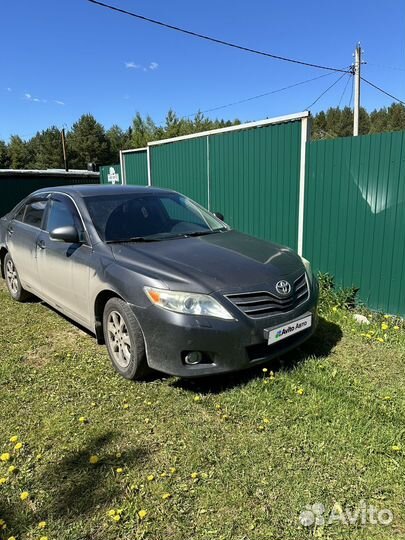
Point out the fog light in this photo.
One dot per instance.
(193, 357)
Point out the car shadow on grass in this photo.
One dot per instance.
(79, 487)
(320, 345)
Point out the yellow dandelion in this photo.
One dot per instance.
(380, 340)
(43, 538)
(18, 446)
(93, 403)
(3, 480)
(265, 370)
(11, 538)
(111, 512)
(12, 469)
(126, 406)
(387, 398)
(82, 419)
(142, 514)
(265, 381)
(42, 525)
(24, 495)
(14, 439)
(197, 398)
(369, 336)
(163, 474)
(300, 391)
(120, 510)
(266, 420)
(172, 470)
(334, 309)
(396, 448)
(119, 470)
(396, 327)
(94, 459)
(166, 496)
(384, 326)
(217, 406)
(5, 457)
(260, 428)
(194, 475)
(150, 477)
(116, 518)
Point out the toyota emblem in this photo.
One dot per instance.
(283, 287)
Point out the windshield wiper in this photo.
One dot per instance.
(133, 239)
(202, 233)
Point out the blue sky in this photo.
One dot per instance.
(64, 58)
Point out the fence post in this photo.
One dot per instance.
(122, 164)
(305, 136)
(208, 175)
(149, 165)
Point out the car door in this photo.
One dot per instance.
(22, 236)
(64, 268)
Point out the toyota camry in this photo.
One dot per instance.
(164, 283)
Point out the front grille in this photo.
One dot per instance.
(264, 303)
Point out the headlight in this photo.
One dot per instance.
(308, 269)
(189, 303)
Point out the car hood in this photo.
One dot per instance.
(228, 260)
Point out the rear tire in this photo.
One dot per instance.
(13, 281)
(124, 340)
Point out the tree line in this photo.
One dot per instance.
(89, 142)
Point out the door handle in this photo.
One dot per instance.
(41, 244)
(10, 231)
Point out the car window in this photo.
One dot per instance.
(180, 211)
(20, 214)
(34, 212)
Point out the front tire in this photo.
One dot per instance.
(13, 281)
(124, 340)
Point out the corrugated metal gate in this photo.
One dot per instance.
(355, 215)
(252, 173)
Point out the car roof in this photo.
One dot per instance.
(87, 190)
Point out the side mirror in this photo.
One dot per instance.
(66, 234)
(219, 216)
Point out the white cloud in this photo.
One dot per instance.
(153, 65)
(132, 65)
(28, 96)
(36, 99)
(58, 102)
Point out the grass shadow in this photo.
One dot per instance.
(320, 345)
(83, 486)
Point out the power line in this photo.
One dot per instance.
(327, 90)
(259, 95)
(345, 88)
(212, 39)
(383, 91)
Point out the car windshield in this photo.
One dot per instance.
(126, 217)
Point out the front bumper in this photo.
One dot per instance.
(227, 345)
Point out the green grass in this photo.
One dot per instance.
(321, 430)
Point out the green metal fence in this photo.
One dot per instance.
(17, 184)
(255, 178)
(355, 215)
(135, 167)
(182, 166)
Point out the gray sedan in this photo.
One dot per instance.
(164, 283)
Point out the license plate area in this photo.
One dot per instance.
(278, 333)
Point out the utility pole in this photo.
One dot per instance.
(356, 72)
(64, 149)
